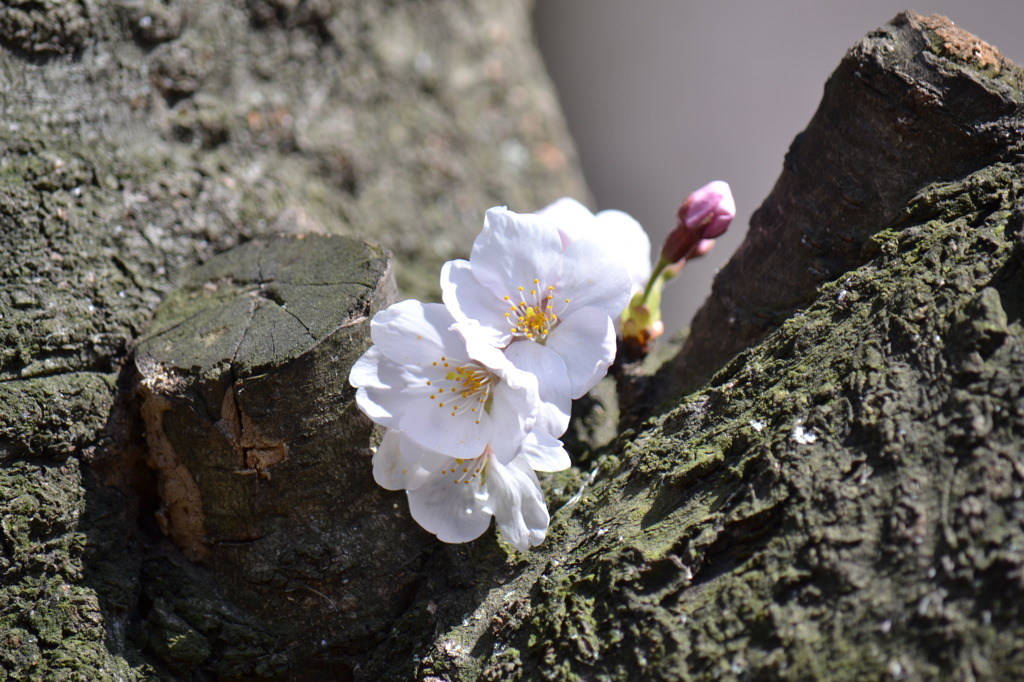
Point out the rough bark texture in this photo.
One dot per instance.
(139, 138)
(843, 500)
(252, 431)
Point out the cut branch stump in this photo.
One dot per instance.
(261, 456)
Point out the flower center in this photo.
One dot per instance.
(533, 316)
(466, 471)
(465, 389)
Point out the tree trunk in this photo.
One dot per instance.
(844, 500)
(140, 138)
(916, 102)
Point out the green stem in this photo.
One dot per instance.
(658, 269)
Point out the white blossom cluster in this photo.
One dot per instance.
(475, 392)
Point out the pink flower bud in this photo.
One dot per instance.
(703, 248)
(704, 215)
(710, 209)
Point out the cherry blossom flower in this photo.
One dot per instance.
(474, 393)
(550, 309)
(447, 391)
(455, 498)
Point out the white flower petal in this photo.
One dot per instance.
(435, 394)
(431, 460)
(443, 418)
(365, 371)
(617, 233)
(412, 333)
(591, 277)
(380, 383)
(553, 383)
(622, 236)
(535, 508)
(512, 415)
(573, 219)
(396, 467)
(373, 370)
(479, 348)
(431, 425)
(452, 511)
(470, 302)
(585, 340)
(381, 406)
(544, 453)
(514, 249)
(515, 498)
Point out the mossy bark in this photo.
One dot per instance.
(843, 500)
(140, 138)
(916, 102)
(262, 458)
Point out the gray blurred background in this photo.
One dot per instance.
(662, 97)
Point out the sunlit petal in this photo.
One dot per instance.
(514, 249)
(471, 302)
(515, 498)
(544, 453)
(450, 510)
(554, 386)
(410, 332)
(585, 341)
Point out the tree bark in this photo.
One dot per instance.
(917, 102)
(141, 138)
(844, 500)
(262, 459)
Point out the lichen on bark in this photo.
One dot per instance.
(843, 499)
(141, 138)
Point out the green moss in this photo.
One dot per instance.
(836, 505)
(54, 416)
(881, 539)
(174, 138)
(51, 615)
